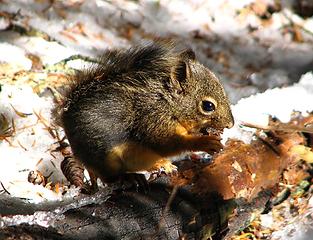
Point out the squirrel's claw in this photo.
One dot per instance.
(163, 166)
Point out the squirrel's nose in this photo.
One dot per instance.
(230, 124)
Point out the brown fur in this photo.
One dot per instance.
(139, 106)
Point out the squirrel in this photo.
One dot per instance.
(139, 106)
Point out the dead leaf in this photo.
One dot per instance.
(302, 152)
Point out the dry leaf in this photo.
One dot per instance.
(302, 152)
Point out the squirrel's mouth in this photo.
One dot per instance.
(211, 132)
(194, 128)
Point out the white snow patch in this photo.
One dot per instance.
(278, 102)
(298, 229)
(79, 64)
(48, 218)
(49, 52)
(15, 55)
(31, 146)
(266, 220)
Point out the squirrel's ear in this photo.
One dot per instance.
(179, 74)
(188, 54)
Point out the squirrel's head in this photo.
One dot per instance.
(198, 98)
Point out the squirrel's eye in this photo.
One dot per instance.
(207, 106)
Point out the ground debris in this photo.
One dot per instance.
(273, 161)
(72, 169)
(6, 129)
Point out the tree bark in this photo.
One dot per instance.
(134, 215)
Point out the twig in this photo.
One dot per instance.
(170, 200)
(44, 122)
(292, 23)
(20, 114)
(268, 144)
(280, 127)
(77, 57)
(282, 196)
(20, 144)
(56, 95)
(167, 207)
(4, 189)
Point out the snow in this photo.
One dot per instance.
(31, 145)
(298, 228)
(210, 27)
(48, 218)
(41, 218)
(277, 102)
(13, 54)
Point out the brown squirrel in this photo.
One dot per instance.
(138, 106)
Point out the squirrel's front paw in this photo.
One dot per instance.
(163, 166)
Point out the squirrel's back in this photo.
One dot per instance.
(141, 65)
(149, 61)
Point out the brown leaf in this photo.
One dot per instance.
(297, 35)
(259, 7)
(302, 152)
(36, 61)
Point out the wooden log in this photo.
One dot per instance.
(133, 215)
